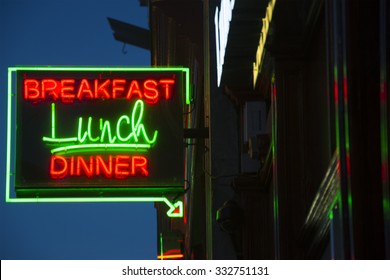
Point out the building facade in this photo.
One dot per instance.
(288, 130)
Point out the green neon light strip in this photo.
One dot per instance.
(53, 120)
(161, 247)
(53, 138)
(98, 68)
(9, 123)
(170, 213)
(114, 69)
(100, 147)
(187, 75)
(59, 140)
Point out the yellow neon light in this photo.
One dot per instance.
(176, 256)
(263, 37)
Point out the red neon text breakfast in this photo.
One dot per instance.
(68, 90)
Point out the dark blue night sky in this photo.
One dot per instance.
(70, 32)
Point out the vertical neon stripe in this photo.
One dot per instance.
(161, 247)
(9, 122)
(53, 120)
(187, 81)
(384, 122)
(275, 166)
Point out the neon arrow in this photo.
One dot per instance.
(172, 212)
(172, 207)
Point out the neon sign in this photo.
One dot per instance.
(67, 90)
(96, 132)
(136, 137)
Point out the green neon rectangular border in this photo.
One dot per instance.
(12, 70)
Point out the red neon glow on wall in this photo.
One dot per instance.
(119, 166)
